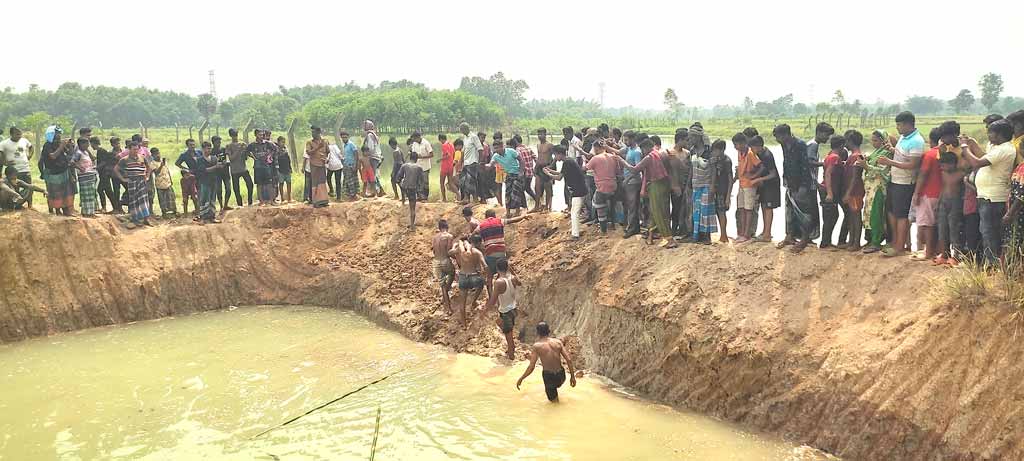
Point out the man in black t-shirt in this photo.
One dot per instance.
(223, 185)
(576, 183)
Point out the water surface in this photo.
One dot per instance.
(204, 385)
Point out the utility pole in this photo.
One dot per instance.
(600, 87)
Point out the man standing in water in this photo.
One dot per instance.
(506, 286)
(471, 264)
(550, 351)
(444, 270)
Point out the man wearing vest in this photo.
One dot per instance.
(506, 286)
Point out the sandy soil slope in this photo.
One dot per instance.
(842, 352)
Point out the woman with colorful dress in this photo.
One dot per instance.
(875, 179)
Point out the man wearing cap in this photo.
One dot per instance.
(424, 153)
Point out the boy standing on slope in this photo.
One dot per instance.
(550, 351)
(411, 177)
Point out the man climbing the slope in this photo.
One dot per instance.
(550, 351)
(444, 270)
(470, 262)
(503, 295)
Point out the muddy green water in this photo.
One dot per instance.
(200, 387)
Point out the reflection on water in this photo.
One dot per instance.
(202, 386)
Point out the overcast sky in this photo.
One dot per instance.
(713, 52)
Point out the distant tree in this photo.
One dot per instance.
(839, 101)
(783, 105)
(963, 102)
(1010, 104)
(924, 105)
(823, 107)
(207, 105)
(991, 88)
(748, 104)
(672, 104)
(509, 94)
(801, 109)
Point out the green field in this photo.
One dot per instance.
(171, 144)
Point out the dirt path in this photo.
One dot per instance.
(840, 352)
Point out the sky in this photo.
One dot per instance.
(710, 52)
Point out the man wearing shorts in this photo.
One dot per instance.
(900, 191)
(444, 269)
(470, 263)
(926, 198)
(506, 286)
(550, 351)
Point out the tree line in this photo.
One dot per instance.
(495, 101)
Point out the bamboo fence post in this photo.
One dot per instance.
(202, 131)
(291, 143)
(245, 131)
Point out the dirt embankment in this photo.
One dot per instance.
(841, 352)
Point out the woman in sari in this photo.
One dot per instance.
(875, 179)
(1014, 222)
(60, 185)
(133, 171)
(88, 178)
(656, 188)
(317, 149)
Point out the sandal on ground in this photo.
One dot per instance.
(891, 253)
(918, 257)
(871, 249)
(798, 248)
(784, 244)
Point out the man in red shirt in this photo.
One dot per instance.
(605, 167)
(926, 199)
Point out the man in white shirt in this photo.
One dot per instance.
(424, 154)
(471, 149)
(993, 183)
(16, 152)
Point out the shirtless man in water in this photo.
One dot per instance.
(444, 270)
(550, 351)
(470, 261)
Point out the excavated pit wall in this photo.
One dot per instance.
(777, 343)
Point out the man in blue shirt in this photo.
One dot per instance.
(350, 170)
(631, 183)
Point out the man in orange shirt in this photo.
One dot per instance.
(748, 168)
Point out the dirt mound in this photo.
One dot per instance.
(840, 352)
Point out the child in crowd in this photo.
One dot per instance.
(853, 197)
(721, 171)
(833, 185)
(366, 170)
(163, 184)
(447, 166)
(397, 160)
(951, 208)
(14, 192)
(748, 168)
(411, 177)
(284, 170)
(457, 162)
(769, 191)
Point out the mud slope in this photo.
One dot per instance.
(840, 352)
